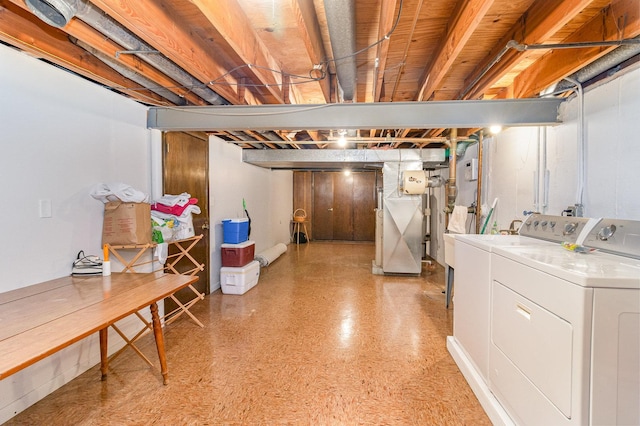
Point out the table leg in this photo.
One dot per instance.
(157, 332)
(104, 359)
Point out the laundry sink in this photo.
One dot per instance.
(449, 249)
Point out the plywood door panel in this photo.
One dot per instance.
(186, 169)
(322, 206)
(342, 206)
(364, 204)
(302, 197)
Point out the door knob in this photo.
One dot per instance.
(331, 209)
(205, 226)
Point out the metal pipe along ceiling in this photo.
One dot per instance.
(59, 12)
(132, 75)
(341, 20)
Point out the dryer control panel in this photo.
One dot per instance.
(617, 236)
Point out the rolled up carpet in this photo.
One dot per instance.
(265, 258)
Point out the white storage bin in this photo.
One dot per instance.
(239, 280)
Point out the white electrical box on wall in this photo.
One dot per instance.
(471, 169)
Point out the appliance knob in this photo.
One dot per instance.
(569, 228)
(535, 223)
(552, 224)
(607, 232)
(543, 224)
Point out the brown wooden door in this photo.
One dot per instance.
(186, 169)
(322, 206)
(364, 205)
(343, 206)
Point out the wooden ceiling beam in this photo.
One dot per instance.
(387, 18)
(620, 19)
(20, 28)
(230, 21)
(538, 24)
(464, 22)
(156, 26)
(312, 36)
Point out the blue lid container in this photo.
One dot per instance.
(235, 231)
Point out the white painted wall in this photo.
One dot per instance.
(60, 136)
(56, 146)
(612, 126)
(268, 195)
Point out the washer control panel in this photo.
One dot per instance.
(617, 236)
(553, 228)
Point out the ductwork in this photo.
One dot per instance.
(341, 20)
(273, 137)
(132, 75)
(56, 13)
(250, 141)
(605, 63)
(59, 12)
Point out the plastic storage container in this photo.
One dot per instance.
(239, 280)
(235, 231)
(238, 254)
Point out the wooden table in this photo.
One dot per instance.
(39, 320)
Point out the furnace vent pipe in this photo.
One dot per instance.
(603, 64)
(341, 20)
(58, 13)
(452, 191)
(132, 75)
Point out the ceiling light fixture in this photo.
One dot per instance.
(342, 140)
(495, 129)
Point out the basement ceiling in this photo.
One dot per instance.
(176, 53)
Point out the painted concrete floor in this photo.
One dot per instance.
(319, 341)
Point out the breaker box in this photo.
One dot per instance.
(471, 169)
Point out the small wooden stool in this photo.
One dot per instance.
(299, 223)
(297, 227)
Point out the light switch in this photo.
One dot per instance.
(45, 207)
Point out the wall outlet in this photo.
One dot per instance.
(44, 207)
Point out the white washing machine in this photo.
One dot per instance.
(472, 292)
(469, 345)
(564, 345)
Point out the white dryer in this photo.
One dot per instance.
(564, 344)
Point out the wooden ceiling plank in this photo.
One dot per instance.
(20, 28)
(227, 17)
(464, 22)
(387, 18)
(560, 63)
(151, 23)
(543, 20)
(312, 36)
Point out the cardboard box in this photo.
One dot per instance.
(126, 223)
